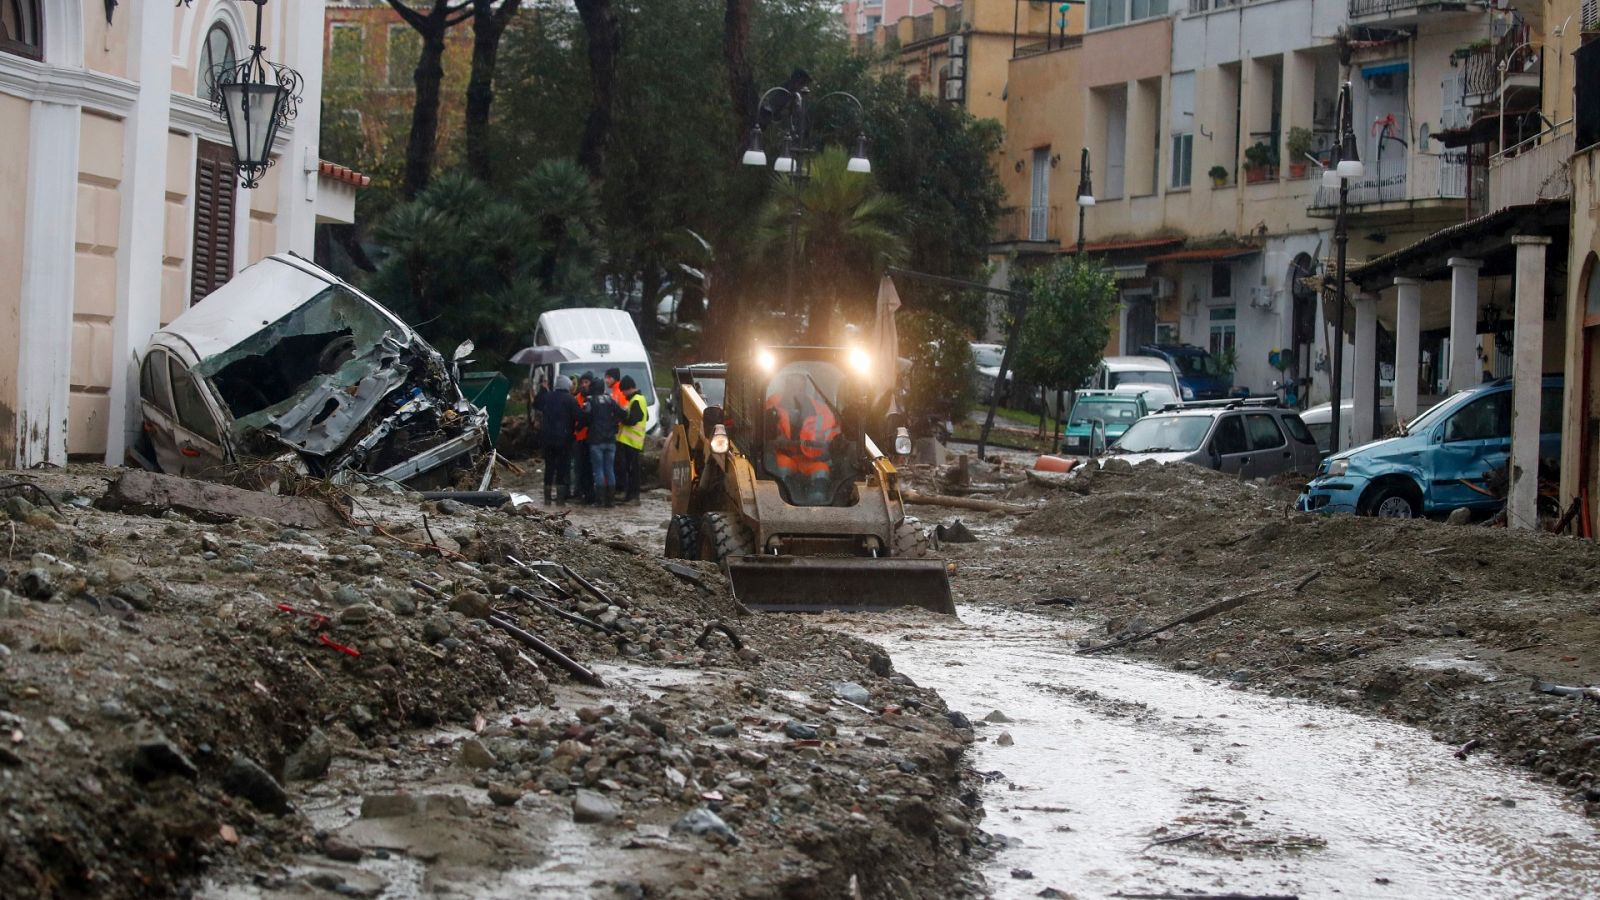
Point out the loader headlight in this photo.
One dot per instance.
(719, 439)
(766, 360)
(860, 361)
(902, 441)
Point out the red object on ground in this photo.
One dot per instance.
(1048, 463)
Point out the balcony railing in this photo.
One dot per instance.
(1536, 169)
(1200, 6)
(1028, 223)
(1366, 9)
(1423, 177)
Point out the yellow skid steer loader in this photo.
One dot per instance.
(776, 476)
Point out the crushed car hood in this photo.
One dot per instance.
(301, 360)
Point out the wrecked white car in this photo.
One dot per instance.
(288, 359)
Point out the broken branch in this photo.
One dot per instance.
(557, 611)
(1204, 612)
(918, 497)
(573, 667)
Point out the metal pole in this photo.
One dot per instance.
(1341, 240)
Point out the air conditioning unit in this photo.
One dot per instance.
(957, 46)
(955, 89)
(1161, 288)
(1261, 297)
(958, 67)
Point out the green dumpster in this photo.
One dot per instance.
(488, 390)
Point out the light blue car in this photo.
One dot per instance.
(1440, 461)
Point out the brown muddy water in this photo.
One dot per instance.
(1249, 794)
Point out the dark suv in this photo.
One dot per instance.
(1200, 377)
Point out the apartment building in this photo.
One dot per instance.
(864, 16)
(123, 206)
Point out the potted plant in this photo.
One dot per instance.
(1589, 30)
(1219, 176)
(1299, 146)
(1261, 162)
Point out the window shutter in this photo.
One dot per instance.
(211, 264)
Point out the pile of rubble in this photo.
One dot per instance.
(188, 696)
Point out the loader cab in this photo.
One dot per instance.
(799, 414)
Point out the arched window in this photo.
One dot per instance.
(216, 54)
(21, 29)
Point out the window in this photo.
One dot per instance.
(1222, 330)
(1230, 436)
(1221, 281)
(216, 55)
(344, 47)
(1299, 431)
(1105, 13)
(153, 387)
(193, 414)
(1039, 197)
(20, 28)
(1264, 431)
(405, 50)
(1147, 9)
(1484, 418)
(1551, 411)
(1182, 159)
(1180, 122)
(211, 263)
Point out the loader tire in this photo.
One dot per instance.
(683, 538)
(723, 536)
(911, 540)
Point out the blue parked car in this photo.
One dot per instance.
(1441, 461)
(1200, 376)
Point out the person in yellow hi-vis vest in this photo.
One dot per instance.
(630, 440)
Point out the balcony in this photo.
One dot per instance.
(1536, 169)
(1403, 12)
(1029, 225)
(1425, 180)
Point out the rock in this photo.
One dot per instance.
(120, 571)
(954, 825)
(388, 806)
(1117, 465)
(333, 848)
(10, 605)
(436, 629)
(18, 508)
(751, 758)
(1459, 516)
(359, 614)
(453, 507)
(471, 604)
(590, 807)
(247, 780)
(138, 595)
(799, 731)
(958, 719)
(854, 693)
(997, 717)
(311, 760)
(36, 583)
(1004, 740)
(501, 794)
(402, 604)
(724, 729)
(347, 595)
(153, 756)
(705, 823)
(1021, 874)
(880, 665)
(474, 755)
(796, 791)
(554, 782)
(655, 725)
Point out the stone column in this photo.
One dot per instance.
(1407, 346)
(1365, 392)
(1464, 369)
(1527, 371)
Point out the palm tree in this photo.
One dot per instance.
(845, 232)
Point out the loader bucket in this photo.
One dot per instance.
(818, 583)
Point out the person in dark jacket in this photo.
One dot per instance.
(601, 416)
(583, 476)
(560, 414)
(630, 440)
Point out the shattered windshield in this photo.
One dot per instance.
(1164, 434)
(279, 362)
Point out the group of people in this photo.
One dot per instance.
(592, 438)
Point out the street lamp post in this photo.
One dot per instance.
(1347, 165)
(1085, 194)
(254, 98)
(795, 150)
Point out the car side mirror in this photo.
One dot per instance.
(710, 419)
(463, 350)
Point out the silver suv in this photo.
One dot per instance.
(1257, 438)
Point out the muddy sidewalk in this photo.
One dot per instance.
(244, 709)
(1442, 626)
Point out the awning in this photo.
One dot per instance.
(1125, 246)
(1387, 68)
(1206, 254)
(1487, 237)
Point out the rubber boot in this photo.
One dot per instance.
(547, 494)
(561, 495)
(605, 494)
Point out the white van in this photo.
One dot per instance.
(599, 339)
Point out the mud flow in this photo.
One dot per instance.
(1104, 775)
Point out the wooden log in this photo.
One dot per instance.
(575, 668)
(140, 491)
(962, 502)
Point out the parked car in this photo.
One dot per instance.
(597, 340)
(1254, 437)
(1441, 460)
(1200, 376)
(986, 369)
(1098, 418)
(288, 359)
(1319, 419)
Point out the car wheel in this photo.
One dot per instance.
(1393, 502)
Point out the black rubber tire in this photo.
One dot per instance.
(911, 540)
(683, 538)
(1394, 502)
(722, 536)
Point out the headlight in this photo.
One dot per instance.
(719, 440)
(1188, 392)
(766, 360)
(902, 441)
(1338, 467)
(860, 361)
